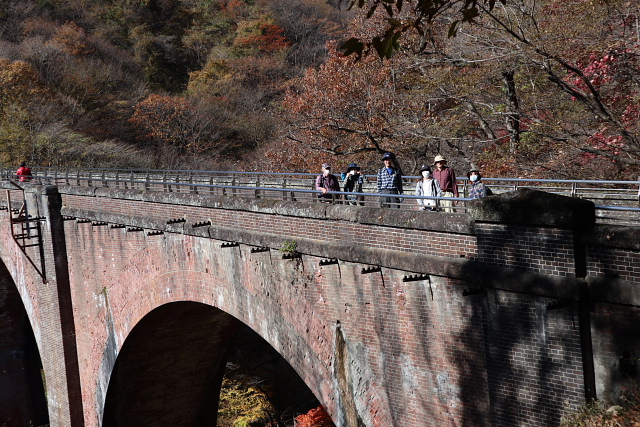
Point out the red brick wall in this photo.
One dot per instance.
(431, 352)
(543, 250)
(624, 264)
(417, 350)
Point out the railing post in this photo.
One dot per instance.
(146, 184)
(257, 192)
(211, 184)
(194, 188)
(284, 185)
(117, 179)
(167, 184)
(104, 179)
(574, 188)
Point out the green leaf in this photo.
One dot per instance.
(395, 44)
(453, 30)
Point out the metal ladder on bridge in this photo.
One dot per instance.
(27, 233)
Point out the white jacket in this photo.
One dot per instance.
(431, 189)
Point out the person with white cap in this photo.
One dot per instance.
(390, 181)
(326, 183)
(428, 187)
(447, 179)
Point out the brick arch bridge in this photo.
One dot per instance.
(506, 316)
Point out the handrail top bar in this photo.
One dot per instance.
(285, 190)
(618, 208)
(206, 172)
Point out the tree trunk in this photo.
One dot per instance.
(512, 113)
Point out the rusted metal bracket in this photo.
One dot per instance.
(27, 233)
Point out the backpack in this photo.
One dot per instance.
(487, 191)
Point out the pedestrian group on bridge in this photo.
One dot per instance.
(438, 186)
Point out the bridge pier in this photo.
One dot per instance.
(48, 301)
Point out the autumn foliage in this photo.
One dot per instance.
(529, 88)
(316, 417)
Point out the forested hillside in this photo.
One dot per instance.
(165, 84)
(548, 88)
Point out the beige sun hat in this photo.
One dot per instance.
(439, 158)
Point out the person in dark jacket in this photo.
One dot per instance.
(390, 181)
(326, 183)
(352, 183)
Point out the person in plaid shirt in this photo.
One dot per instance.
(390, 181)
(477, 189)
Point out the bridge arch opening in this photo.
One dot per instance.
(22, 394)
(172, 366)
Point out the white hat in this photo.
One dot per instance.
(439, 158)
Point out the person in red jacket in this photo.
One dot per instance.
(24, 172)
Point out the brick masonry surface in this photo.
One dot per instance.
(417, 350)
(421, 241)
(375, 348)
(544, 250)
(623, 264)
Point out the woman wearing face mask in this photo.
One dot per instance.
(428, 187)
(326, 183)
(477, 189)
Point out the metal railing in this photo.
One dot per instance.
(615, 200)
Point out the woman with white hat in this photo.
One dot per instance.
(447, 179)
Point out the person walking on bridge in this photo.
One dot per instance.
(390, 181)
(23, 172)
(447, 179)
